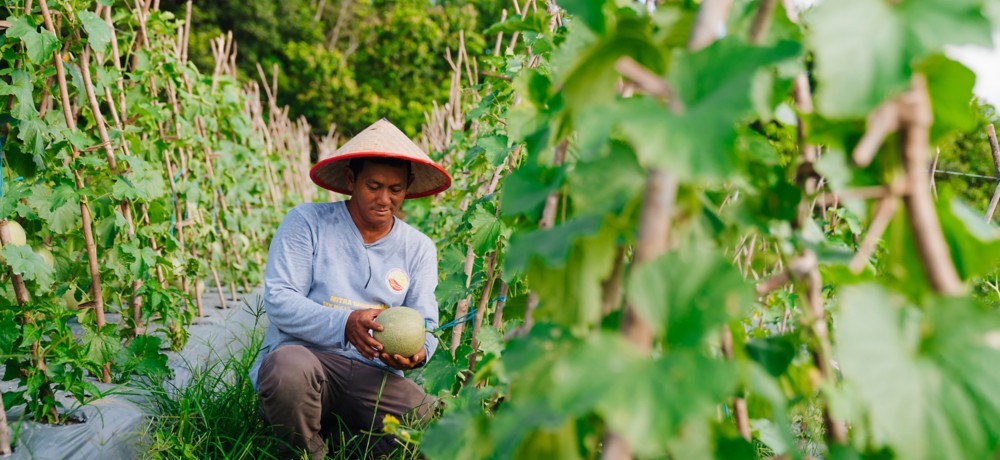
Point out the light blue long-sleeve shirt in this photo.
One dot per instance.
(319, 269)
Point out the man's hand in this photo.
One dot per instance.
(403, 363)
(356, 332)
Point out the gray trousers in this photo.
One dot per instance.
(310, 396)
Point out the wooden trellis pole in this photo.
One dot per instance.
(88, 231)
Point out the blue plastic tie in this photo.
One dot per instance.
(463, 319)
(468, 316)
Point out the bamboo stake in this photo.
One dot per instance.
(88, 232)
(484, 301)
(463, 306)
(501, 301)
(125, 206)
(762, 21)
(915, 122)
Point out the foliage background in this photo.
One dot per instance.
(360, 61)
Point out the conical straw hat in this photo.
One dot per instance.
(382, 139)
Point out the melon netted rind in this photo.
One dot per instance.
(402, 331)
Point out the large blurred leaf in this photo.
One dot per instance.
(714, 85)
(685, 294)
(524, 190)
(645, 400)
(461, 432)
(950, 86)
(584, 66)
(974, 244)
(551, 245)
(618, 176)
(865, 49)
(570, 294)
(773, 353)
(927, 377)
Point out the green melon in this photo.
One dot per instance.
(402, 331)
(17, 237)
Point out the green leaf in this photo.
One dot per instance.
(773, 353)
(98, 32)
(950, 86)
(101, 347)
(20, 87)
(618, 175)
(142, 356)
(59, 206)
(485, 230)
(974, 244)
(551, 245)
(490, 341)
(866, 50)
(525, 190)
(462, 420)
(629, 391)
(591, 12)
(570, 292)
(926, 376)
(714, 85)
(39, 45)
(31, 266)
(686, 294)
(9, 332)
(440, 373)
(495, 148)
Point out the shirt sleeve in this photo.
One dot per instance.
(287, 281)
(421, 293)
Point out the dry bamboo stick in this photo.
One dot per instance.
(501, 301)
(484, 301)
(915, 122)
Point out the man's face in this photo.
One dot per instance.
(377, 192)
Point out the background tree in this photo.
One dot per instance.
(347, 62)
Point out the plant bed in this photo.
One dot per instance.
(114, 425)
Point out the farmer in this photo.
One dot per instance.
(331, 269)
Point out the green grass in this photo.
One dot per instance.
(216, 416)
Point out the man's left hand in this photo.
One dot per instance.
(403, 363)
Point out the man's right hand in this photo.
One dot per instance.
(359, 322)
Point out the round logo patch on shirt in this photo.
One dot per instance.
(397, 280)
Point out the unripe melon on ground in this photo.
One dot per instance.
(402, 331)
(17, 237)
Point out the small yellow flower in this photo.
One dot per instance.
(390, 424)
(405, 435)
